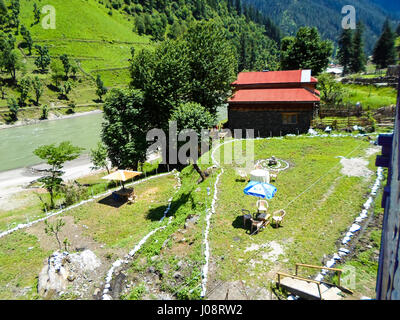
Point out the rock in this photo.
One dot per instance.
(177, 276)
(96, 292)
(155, 258)
(53, 277)
(62, 268)
(191, 220)
(71, 277)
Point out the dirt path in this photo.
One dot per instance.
(14, 181)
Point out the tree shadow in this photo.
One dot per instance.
(111, 202)
(156, 214)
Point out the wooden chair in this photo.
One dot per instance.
(259, 223)
(247, 217)
(277, 218)
(262, 205)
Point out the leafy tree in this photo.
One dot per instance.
(3, 7)
(398, 30)
(65, 89)
(66, 63)
(56, 156)
(38, 89)
(27, 38)
(54, 229)
(124, 128)
(358, 59)
(385, 51)
(45, 112)
(306, 51)
(44, 60)
(346, 50)
(57, 71)
(332, 91)
(98, 157)
(23, 87)
(193, 116)
(2, 89)
(74, 69)
(101, 89)
(13, 107)
(12, 62)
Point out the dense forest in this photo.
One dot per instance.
(254, 35)
(326, 15)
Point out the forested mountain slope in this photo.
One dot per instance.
(326, 15)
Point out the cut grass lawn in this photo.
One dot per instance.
(314, 222)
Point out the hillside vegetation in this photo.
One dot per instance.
(326, 16)
(97, 39)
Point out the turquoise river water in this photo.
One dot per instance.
(17, 144)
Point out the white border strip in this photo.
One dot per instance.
(27, 225)
(132, 253)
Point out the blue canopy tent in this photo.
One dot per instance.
(260, 190)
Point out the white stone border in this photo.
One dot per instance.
(132, 253)
(355, 227)
(27, 225)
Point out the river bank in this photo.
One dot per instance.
(52, 117)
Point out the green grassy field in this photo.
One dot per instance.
(371, 97)
(314, 221)
(117, 229)
(100, 43)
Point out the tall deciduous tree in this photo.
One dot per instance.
(56, 156)
(101, 89)
(125, 128)
(43, 60)
(306, 51)
(385, 51)
(66, 63)
(37, 86)
(193, 116)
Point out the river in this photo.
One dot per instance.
(18, 143)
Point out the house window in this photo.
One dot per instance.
(289, 118)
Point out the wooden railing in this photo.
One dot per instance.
(318, 283)
(339, 271)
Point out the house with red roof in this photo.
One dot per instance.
(274, 102)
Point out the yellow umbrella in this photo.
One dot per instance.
(122, 175)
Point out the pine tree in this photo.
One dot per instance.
(358, 59)
(385, 51)
(346, 50)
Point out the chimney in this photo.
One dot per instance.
(305, 76)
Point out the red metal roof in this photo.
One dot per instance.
(274, 95)
(269, 77)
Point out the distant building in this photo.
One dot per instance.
(274, 103)
(335, 71)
